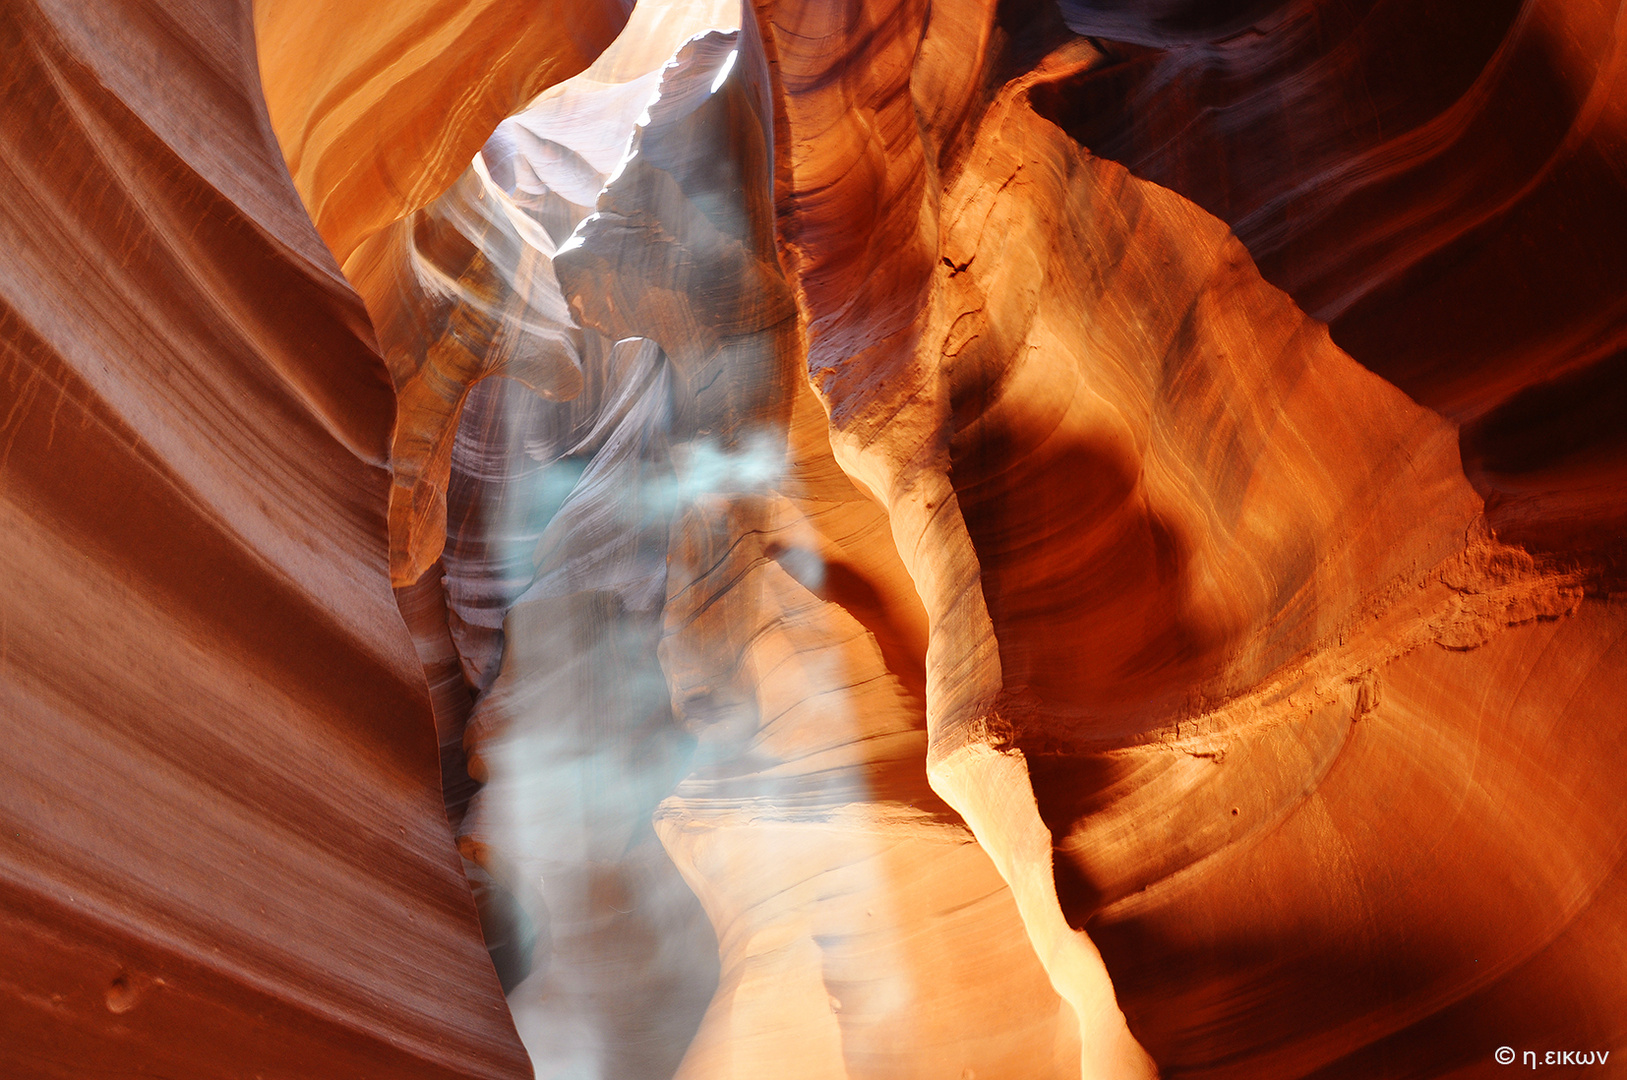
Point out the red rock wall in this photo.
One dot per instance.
(983, 539)
(224, 851)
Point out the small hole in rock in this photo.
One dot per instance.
(122, 994)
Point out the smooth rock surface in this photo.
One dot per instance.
(224, 850)
(934, 538)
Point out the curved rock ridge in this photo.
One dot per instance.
(546, 503)
(1146, 502)
(905, 577)
(1165, 577)
(853, 914)
(379, 106)
(568, 522)
(222, 849)
(460, 291)
(1441, 182)
(464, 288)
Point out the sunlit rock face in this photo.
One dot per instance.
(934, 538)
(703, 771)
(378, 106)
(1210, 590)
(1047, 500)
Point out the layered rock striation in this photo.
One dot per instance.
(1441, 183)
(224, 851)
(934, 538)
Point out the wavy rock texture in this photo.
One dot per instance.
(1155, 518)
(379, 106)
(908, 578)
(556, 536)
(223, 851)
(1195, 581)
(1440, 182)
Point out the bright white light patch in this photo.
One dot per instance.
(530, 232)
(723, 72)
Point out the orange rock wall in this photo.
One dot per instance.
(1440, 182)
(934, 537)
(379, 107)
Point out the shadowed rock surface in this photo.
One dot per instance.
(941, 538)
(1440, 182)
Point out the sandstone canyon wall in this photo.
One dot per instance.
(224, 852)
(934, 538)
